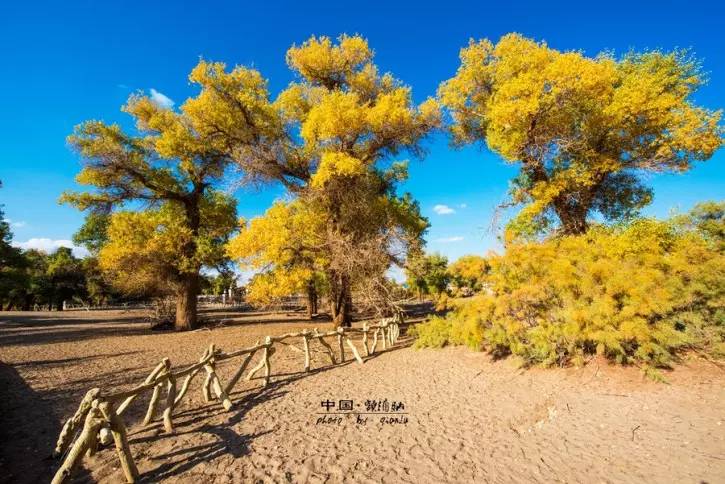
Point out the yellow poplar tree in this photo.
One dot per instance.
(582, 129)
(470, 271)
(168, 220)
(333, 142)
(281, 247)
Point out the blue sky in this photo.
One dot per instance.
(66, 62)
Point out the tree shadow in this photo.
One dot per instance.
(23, 319)
(242, 320)
(419, 309)
(29, 425)
(29, 330)
(228, 441)
(28, 428)
(73, 360)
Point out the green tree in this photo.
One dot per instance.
(12, 263)
(428, 274)
(93, 234)
(33, 288)
(66, 277)
(708, 218)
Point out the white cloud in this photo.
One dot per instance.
(50, 245)
(161, 99)
(463, 205)
(16, 225)
(443, 209)
(446, 240)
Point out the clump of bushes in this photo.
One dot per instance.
(639, 293)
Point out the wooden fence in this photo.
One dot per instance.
(99, 418)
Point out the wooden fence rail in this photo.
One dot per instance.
(99, 420)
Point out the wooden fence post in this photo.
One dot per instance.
(354, 350)
(71, 425)
(118, 429)
(306, 346)
(214, 382)
(153, 403)
(327, 346)
(239, 372)
(263, 362)
(340, 331)
(365, 339)
(267, 353)
(189, 377)
(206, 388)
(170, 403)
(253, 371)
(90, 429)
(375, 341)
(122, 408)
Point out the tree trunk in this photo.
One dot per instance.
(340, 300)
(347, 307)
(342, 316)
(311, 299)
(189, 281)
(572, 208)
(573, 219)
(186, 302)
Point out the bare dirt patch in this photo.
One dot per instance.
(468, 418)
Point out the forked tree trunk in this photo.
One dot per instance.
(342, 317)
(341, 301)
(186, 302)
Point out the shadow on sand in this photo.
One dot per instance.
(29, 426)
(227, 440)
(28, 429)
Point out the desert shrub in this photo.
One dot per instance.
(435, 333)
(637, 293)
(443, 302)
(463, 329)
(468, 274)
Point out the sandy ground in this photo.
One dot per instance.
(465, 418)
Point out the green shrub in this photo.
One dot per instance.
(435, 333)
